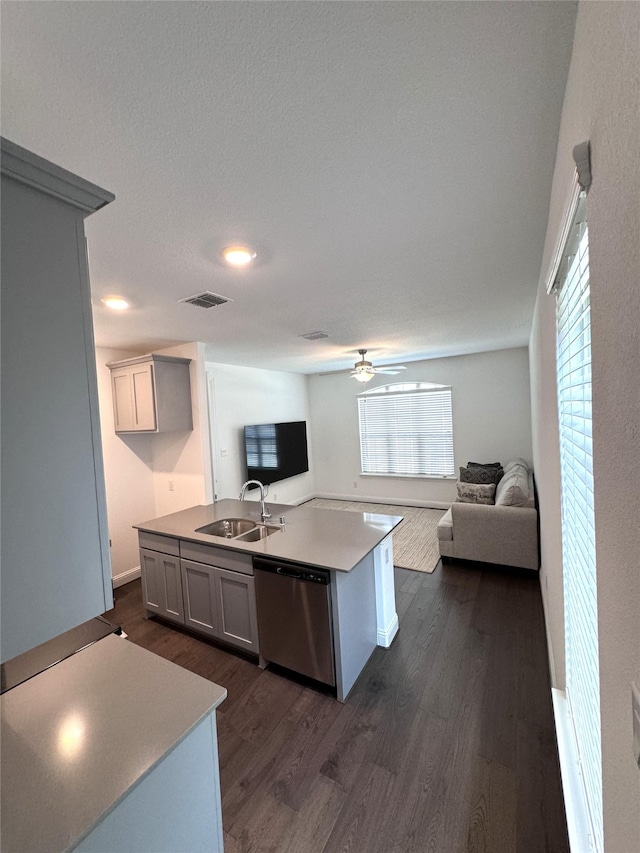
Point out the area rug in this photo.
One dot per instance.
(415, 542)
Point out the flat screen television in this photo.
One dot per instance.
(276, 451)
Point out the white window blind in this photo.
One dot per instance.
(578, 528)
(262, 446)
(406, 430)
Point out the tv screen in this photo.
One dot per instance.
(276, 451)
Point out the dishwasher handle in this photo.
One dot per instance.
(289, 573)
(299, 573)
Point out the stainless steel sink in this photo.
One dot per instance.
(258, 533)
(242, 529)
(228, 528)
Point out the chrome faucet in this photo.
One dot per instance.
(264, 512)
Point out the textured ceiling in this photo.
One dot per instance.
(391, 164)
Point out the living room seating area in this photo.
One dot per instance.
(495, 518)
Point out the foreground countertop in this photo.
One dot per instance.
(335, 539)
(79, 736)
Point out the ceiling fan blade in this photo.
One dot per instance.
(391, 371)
(366, 367)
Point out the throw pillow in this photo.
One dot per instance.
(476, 493)
(513, 489)
(480, 474)
(484, 465)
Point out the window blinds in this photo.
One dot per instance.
(578, 529)
(407, 432)
(261, 446)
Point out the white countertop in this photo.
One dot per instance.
(79, 736)
(334, 539)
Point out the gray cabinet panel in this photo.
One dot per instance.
(199, 598)
(56, 569)
(220, 557)
(162, 584)
(172, 386)
(174, 608)
(237, 620)
(122, 410)
(156, 542)
(150, 573)
(144, 411)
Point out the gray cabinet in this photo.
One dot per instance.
(236, 608)
(199, 593)
(208, 589)
(151, 393)
(162, 584)
(56, 570)
(221, 604)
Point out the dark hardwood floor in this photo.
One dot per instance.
(446, 743)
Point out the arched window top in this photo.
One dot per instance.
(401, 387)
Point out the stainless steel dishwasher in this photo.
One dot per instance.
(294, 618)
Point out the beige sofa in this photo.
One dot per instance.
(498, 533)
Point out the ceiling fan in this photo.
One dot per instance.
(364, 370)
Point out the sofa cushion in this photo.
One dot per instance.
(476, 493)
(481, 474)
(518, 462)
(445, 527)
(513, 489)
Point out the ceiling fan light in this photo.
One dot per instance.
(238, 256)
(364, 375)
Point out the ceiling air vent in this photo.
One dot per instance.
(206, 299)
(314, 336)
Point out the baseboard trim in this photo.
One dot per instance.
(126, 577)
(385, 638)
(300, 501)
(578, 823)
(390, 501)
(552, 662)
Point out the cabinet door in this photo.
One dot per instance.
(236, 618)
(122, 400)
(162, 585)
(199, 593)
(143, 397)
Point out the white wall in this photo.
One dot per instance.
(491, 422)
(248, 395)
(546, 462)
(128, 470)
(139, 469)
(181, 459)
(602, 104)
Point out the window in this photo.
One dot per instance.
(573, 355)
(406, 430)
(261, 446)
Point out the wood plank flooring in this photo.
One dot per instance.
(445, 745)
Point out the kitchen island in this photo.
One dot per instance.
(112, 748)
(206, 582)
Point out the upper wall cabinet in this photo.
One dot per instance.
(151, 393)
(56, 571)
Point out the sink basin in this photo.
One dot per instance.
(228, 528)
(257, 534)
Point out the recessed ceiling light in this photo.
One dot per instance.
(115, 302)
(238, 256)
